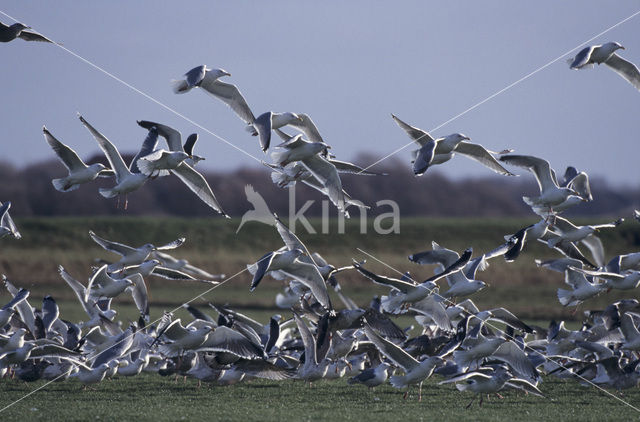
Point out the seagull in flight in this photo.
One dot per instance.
(606, 53)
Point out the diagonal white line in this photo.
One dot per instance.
(444, 299)
(511, 85)
(147, 96)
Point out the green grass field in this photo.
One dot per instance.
(212, 244)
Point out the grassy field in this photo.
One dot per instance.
(528, 291)
(151, 397)
(213, 245)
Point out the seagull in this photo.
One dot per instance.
(8, 309)
(174, 140)
(179, 162)
(7, 225)
(126, 181)
(372, 377)
(551, 193)
(311, 370)
(130, 255)
(437, 151)
(208, 79)
(481, 383)
(294, 261)
(583, 289)
(606, 53)
(415, 372)
(79, 172)
(17, 30)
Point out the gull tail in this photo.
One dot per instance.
(147, 168)
(251, 129)
(281, 179)
(462, 358)
(392, 304)
(180, 86)
(108, 193)
(564, 296)
(61, 185)
(398, 381)
(280, 157)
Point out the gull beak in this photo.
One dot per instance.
(467, 138)
(622, 48)
(227, 73)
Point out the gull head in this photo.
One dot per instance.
(20, 26)
(218, 73)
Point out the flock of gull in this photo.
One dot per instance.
(479, 351)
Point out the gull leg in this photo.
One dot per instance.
(126, 201)
(406, 394)
(481, 399)
(471, 402)
(420, 392)
(118, 202)
(499, 396)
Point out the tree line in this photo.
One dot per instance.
(30, 191)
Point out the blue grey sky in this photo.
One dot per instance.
(348, 64)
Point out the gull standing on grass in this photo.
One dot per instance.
(79, 172)
(126, 181)
(415, 372)
(606, 53)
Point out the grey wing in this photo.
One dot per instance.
(17, 298)
(580, 184)
(230, 95)
(24, 309)
(7, 221)
(350, 168)
(308, 128)
(430, 307)
(115, 247)
(466, 376)
(418, 135)
(524, 385)
(263, 126)
(400, 285)
(539, 167)
(390, 350)
(624, 68)
(261, 269)
(424, 157)
(122, 344)
(68, 156)
(140, 295)
(198, 185)
(307, 339)
(309, 275)
(510, 353)
(582, 58)
(195, 75)
(148, 145)
(172, 136)
(32, 36)
(438, 255)
(77, 288)
(480, 154)
(264, 369)
(288, 237)
(190, 143)
(502, 314)
(110, 151)
(595, 246)
(327, 173)
(172, 245)
(171, 274)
